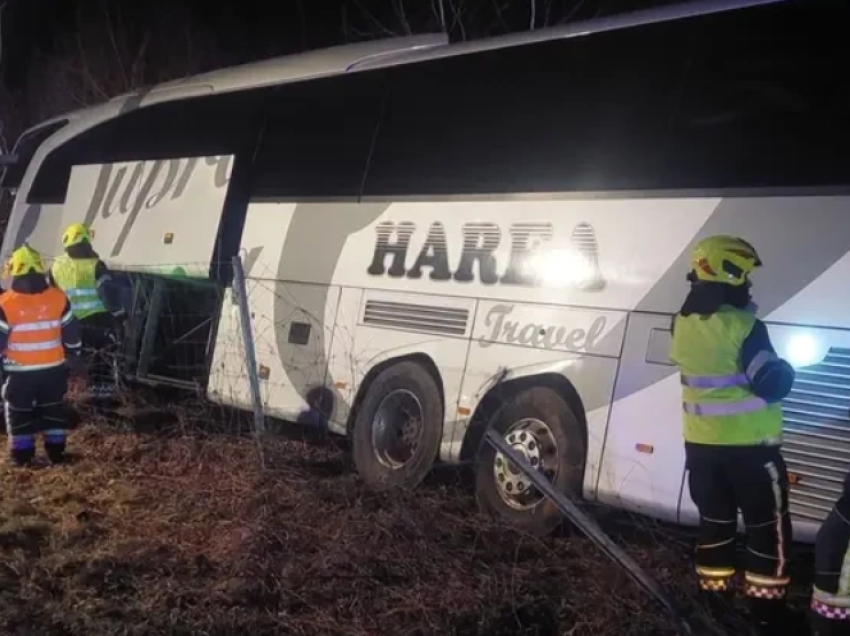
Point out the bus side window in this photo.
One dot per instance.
(317, 137)
(764, 104)
(195, 127)
(576, 114)
(50, 185)
(24, 150)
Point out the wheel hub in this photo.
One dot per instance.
(532, 440)
(397, 428)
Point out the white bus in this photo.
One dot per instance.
(440, 237)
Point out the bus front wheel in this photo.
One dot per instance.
(539, 425)
(398, 428)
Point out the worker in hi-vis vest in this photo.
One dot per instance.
(37, 330)
(830, 607)
(732, 383)
(87, 282)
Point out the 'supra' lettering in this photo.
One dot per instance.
(136, 187)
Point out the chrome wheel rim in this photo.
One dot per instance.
(533, 440)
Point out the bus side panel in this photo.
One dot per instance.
(292, 323)
(603, 253)
(228, 379)
(295, 333)
(343, 375)
(395, 325)
(290, 353)
(643, 461)
(592, 377)
(518, 340)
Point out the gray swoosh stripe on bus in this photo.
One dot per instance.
(32, 213)
(820, 234)
(797, 242)
(314, 242)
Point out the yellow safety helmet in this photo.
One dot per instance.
(724, 259)
(24, 260)
(75, 234)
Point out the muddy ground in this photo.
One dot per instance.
(178, 531)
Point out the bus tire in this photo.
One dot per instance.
(398, 428)
(540, 425)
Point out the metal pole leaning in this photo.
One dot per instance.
(593, 531)
(241, 291)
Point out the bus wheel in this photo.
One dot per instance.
(539, 425)
(398, 428)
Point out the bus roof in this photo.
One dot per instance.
(406, 50)
(627, 20)
(318, 63)
(391, 52)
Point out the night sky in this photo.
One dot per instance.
(246, 30)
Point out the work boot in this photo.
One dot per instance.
(56, 456)
(22, 457)
(54, 447)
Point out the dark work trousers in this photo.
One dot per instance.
(35, 403)
(99, 351)
(830, 614)
(754, 480)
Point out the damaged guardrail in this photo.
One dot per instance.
(592, 530)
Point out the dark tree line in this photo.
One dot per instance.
(61, 55)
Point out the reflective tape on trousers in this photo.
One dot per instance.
(725, 408)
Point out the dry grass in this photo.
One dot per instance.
(176, 533)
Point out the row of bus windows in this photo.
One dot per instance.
(746, 98)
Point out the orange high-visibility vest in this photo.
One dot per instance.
(35, 329)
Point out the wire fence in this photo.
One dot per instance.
(212, 515)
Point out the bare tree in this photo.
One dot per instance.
(460, 19)
(107, 56)
(108, 53)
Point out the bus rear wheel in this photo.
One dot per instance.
(398, 428)
(539, 425)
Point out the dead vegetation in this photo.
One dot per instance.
(178, 532)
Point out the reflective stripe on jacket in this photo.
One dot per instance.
(76, 277)
(719, 405)
(34, 323)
